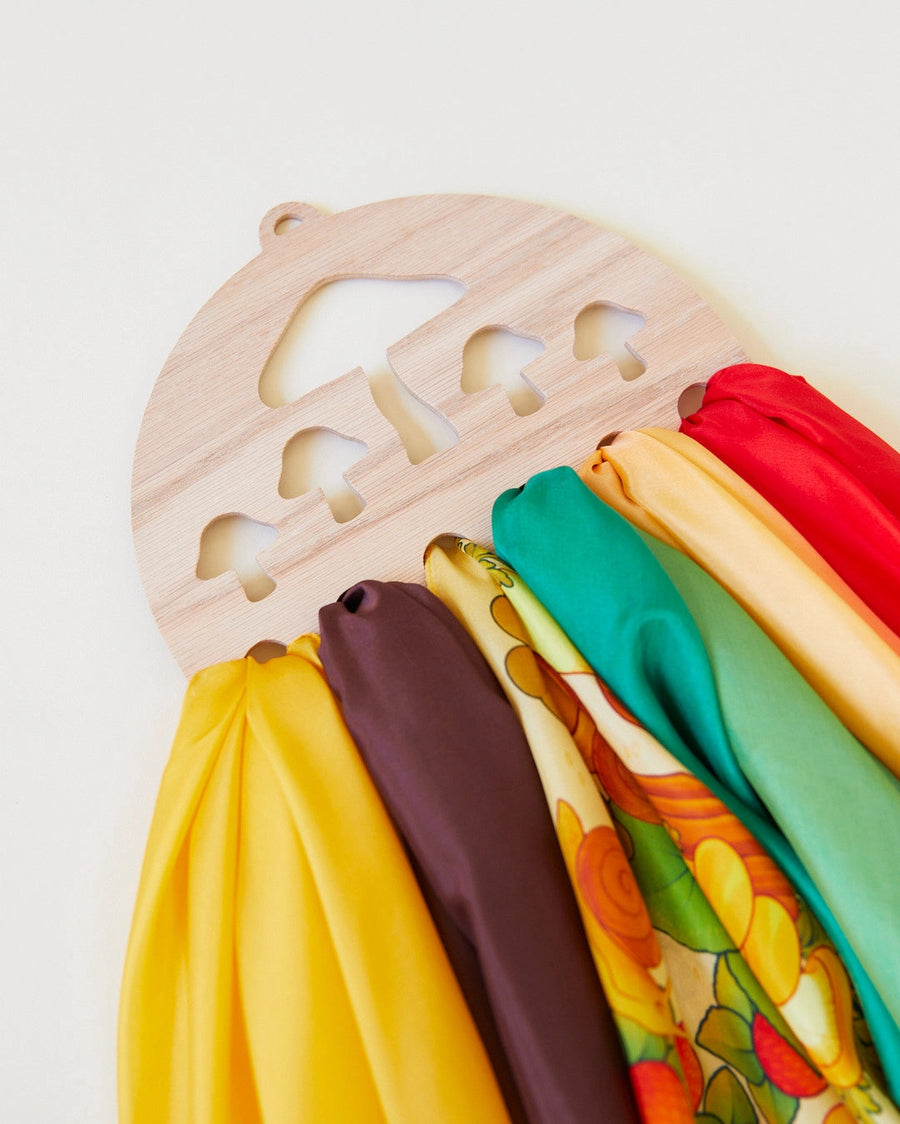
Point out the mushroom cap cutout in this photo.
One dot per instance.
(209, 447)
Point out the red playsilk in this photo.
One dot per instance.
(835, 480)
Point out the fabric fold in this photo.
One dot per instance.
(282, 965)
(836, 643)
(831, 477)
(594, 573)
(451, 762)
(734, 961)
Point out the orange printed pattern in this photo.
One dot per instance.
(617, 924)
(774, 1041)
(693, 814)
(660, 1094)
(748, 891)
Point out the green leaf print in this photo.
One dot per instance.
(728, 990)
(776, 1107)
(728, 1036)
(809, 930)
(727, 1100)
(498, 568)
(639, 1044)
(676, 903)
(758, 998)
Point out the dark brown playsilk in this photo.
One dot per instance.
(449, 757)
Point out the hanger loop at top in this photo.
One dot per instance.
(280, 220)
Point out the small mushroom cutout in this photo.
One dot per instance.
(319, 458)
(233, 542)
(602, 328)
(498, 356)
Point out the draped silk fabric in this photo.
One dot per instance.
(282, 964)
(835, 480)
(725, 698)
(627, 958)
(632, 475)
(728, 978)
(680, 488)
(450, 759)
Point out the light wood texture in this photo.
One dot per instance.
(208, 446)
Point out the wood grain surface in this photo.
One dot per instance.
(209, 446)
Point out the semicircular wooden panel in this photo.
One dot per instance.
(209, 447)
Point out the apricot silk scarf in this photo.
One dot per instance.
(676, 490)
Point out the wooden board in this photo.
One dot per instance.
(209, 446)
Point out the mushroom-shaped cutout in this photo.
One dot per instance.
(351, 323)
(318, 458)
(602, 328)
(496, 356)
(232, 542)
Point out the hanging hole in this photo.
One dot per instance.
(603, 328)
(691, 399)
(232, 542)
(287, 223)
(319, 458)
(267, 650)
(608, 439)
(496, 357)
(283, 218)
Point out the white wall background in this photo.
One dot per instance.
(752, 146)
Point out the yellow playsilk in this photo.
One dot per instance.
(282, 964)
